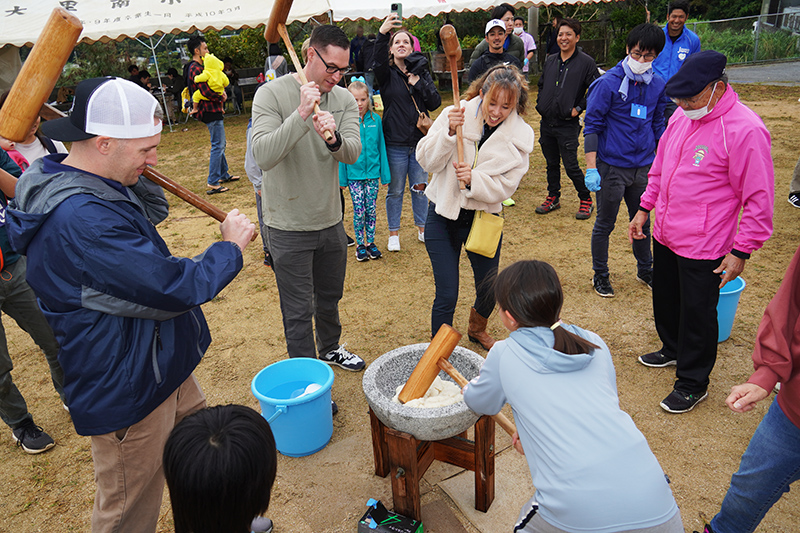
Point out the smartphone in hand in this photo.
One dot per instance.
(398, 8)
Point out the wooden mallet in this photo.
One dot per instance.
(452, 49)
(276, 26)
(35, 82)
(435, 359)
(39, 74)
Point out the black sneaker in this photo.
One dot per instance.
(373, 251)
(551, 203)
(344, 359)
(361, 253)
(794, 199)
(680, 402)
(31, 438)
(602, 286)
(656, 360)
(646, 278)
(350, 241)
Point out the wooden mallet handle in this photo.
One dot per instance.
(500, 418)
(39, 74)
(276, 26)
(187, 196)
(184, 194)
(452, 49)
(300, 72)
(442, 345)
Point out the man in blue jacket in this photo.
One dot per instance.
(680, 43)
(124, 310)
(624, 120)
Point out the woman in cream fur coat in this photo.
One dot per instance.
(497, 143)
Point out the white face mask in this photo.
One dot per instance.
(697, 114)
(517, 31)
(637, 67)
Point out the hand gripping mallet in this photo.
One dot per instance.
(434, 359)
(452, 49)
(276, 25)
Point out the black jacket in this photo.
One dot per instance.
(399, 114)
(561, 90)
(488, 60)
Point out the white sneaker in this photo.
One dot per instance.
(394, 243)
(421, 236)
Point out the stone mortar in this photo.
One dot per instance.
(393, 368)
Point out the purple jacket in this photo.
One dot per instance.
(708, 171)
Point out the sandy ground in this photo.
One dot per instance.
(386, 304)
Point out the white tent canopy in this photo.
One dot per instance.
(359, 9)
(21, 21)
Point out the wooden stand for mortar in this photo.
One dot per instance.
(407, 459)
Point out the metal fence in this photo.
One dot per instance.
(751, 39)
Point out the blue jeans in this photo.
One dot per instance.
(443, 240)
(217, 164)
(769, 465)
(618, 184)
(402, 163)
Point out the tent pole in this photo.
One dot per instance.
(152, 48)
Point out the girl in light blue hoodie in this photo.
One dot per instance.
(592, 468)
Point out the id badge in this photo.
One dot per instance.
(639, 111)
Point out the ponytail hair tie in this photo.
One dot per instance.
(358, 78)
(556, 325)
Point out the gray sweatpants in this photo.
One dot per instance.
(309, 270)
(18, 301)
(532, 522)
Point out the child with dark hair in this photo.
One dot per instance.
(220, 464)
(592, 468)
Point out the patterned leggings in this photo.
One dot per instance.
(364, 194)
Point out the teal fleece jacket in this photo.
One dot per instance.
(372, 163)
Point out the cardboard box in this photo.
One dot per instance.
(378, 519)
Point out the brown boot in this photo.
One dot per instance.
(477, 330)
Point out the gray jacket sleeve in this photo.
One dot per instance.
(151, 199)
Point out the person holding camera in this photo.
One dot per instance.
(409, 94)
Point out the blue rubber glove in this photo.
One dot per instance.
(525, 63)
(592, 179)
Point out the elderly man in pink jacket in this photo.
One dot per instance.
(713, 164)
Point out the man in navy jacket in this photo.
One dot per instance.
(124, 310)
(624, 120)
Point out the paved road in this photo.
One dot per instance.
(786, 73)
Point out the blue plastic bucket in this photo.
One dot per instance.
(727, 305)
(300, 416)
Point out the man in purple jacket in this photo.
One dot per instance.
(712, 166)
